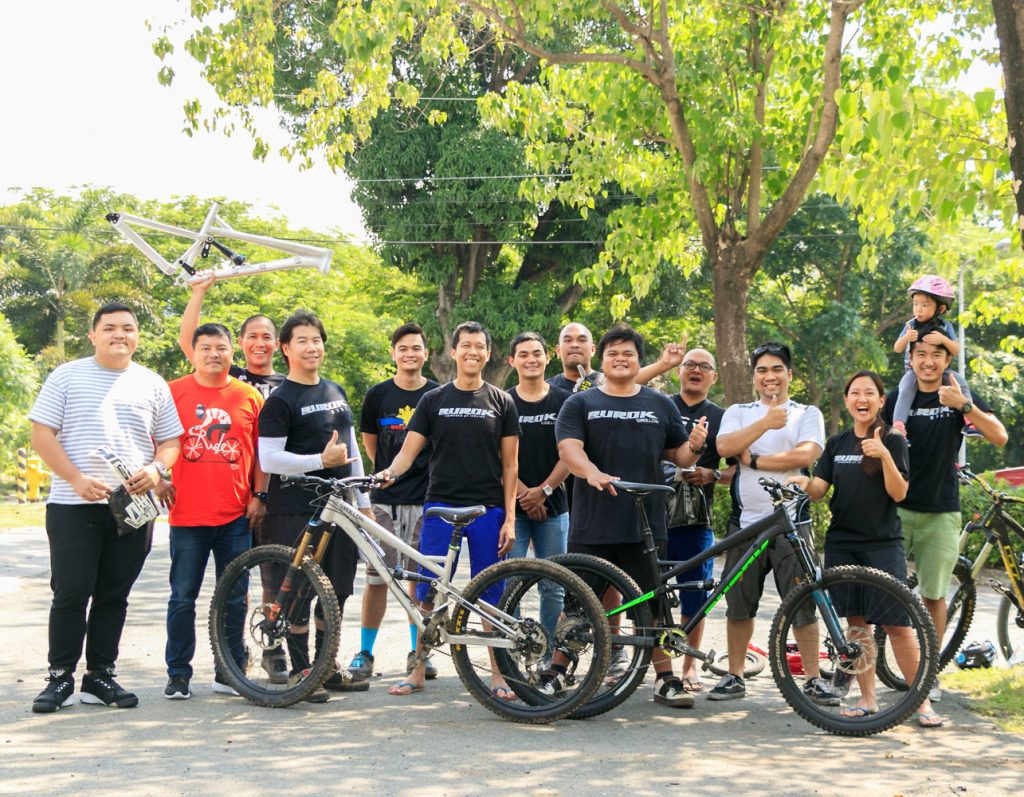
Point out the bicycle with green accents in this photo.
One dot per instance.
(828, 613)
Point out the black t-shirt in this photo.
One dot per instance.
(538, 450)
(710, 458)
(625, 437)
(306, 415)
(560, 381)
(387, 410)
(863, 514)
(264, 383)
(465, 428)
(935, 433)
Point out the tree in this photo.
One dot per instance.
(1009, 19)
(18, 383)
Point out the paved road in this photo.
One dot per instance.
(439, 742)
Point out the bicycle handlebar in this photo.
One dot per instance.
(779, 491)
(966, 476)
(363, 483)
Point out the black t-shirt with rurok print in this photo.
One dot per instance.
(387, 410)
(935, 433)
(465, 428)
(264, 383)
(624, 437)
(863, 514)
(306, 415)
(569, 385)
(538, 450)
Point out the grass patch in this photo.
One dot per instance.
(16, 516)
(994, 693)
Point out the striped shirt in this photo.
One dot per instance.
(91, 406)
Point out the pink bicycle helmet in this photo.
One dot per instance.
(936, 287)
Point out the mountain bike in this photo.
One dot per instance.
(270, 589)
(1001, 531)
(809, 617)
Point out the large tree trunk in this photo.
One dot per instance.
(732, 289)
(1009, 16)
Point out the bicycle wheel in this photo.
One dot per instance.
(629, 660)
(961, 601)
(752, 667)
(1010, 628)
(879, 599)
(243, 636)
(580, 637)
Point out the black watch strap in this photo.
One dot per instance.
(261, 495)
(753, 461)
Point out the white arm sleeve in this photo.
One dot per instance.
(362, 499)
(274, 459)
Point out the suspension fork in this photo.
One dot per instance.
(284, 599)
(812, 572)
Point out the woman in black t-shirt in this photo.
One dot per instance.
(867, 466)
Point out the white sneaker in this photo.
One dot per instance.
(935, 694)
(222, 688)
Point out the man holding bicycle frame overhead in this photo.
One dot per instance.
(473, 430)
(625, 428)
(778, 438)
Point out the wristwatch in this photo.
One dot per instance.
(162, 469)
(753, 461)
(262, 495)
(967, 408)
(701, 450)
(546, 489)
(716, 474)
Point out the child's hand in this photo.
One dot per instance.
(934, 338)
(910, 336)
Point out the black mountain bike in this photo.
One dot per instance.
(1001, 531)
(809, 617)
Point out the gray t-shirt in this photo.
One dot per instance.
(91, 406)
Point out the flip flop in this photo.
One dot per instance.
(689, 685)
(857, 712)
(503, 693)
(929, 719)
(402, 685)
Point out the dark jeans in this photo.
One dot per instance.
(90, 562)
(191, 547)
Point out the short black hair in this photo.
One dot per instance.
(471, 328)
(621, 333)
(780, 350)
(300, 318)
(522, 337)
(110, 308)
(257, 317)
(410, 328)
(212, 330)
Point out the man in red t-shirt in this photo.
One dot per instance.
(218, 493)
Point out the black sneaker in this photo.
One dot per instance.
(730, 687)
(820, 691)
(343, 681)
(319, 695)
(59, 692)
(276, 665)
(100, 689)
(669, 691)
(177, 688)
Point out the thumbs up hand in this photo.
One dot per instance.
(873, 446)
(775, 418)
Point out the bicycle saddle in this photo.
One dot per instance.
(636, 488)
(456, 515)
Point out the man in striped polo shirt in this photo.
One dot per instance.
(101, 401)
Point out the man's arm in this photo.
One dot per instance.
(576, 460)
(46, 444)
(800, 456)
(190, 318)
(735, 443)
(509, 483)
(370, 446)
(148, 477)
(671, 357)
(411, 447)
(985, 422)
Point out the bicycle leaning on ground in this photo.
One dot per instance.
(1001, 531)
(268, 590)
(850, 651)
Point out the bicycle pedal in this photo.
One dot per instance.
(709, 658)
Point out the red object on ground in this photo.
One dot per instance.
(1014, 476)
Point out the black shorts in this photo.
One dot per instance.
(855, 602)
(629, 556)
(340, 558)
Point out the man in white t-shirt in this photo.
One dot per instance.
(105, 400)
(778, 438)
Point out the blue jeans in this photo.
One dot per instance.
(482, 535)
(550, 538)
(191, 547)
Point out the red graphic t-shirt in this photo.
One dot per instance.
(213, 474)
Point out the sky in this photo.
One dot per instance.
(82, 106)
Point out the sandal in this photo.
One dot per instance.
(690, 685)
(671, 692)
(929, 719)
(503, 693)
(396, 690)
(857, 712)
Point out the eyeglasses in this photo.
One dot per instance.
(706, 368)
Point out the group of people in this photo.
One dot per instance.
(542, 457)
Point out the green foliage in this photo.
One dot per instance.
(18, 383)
